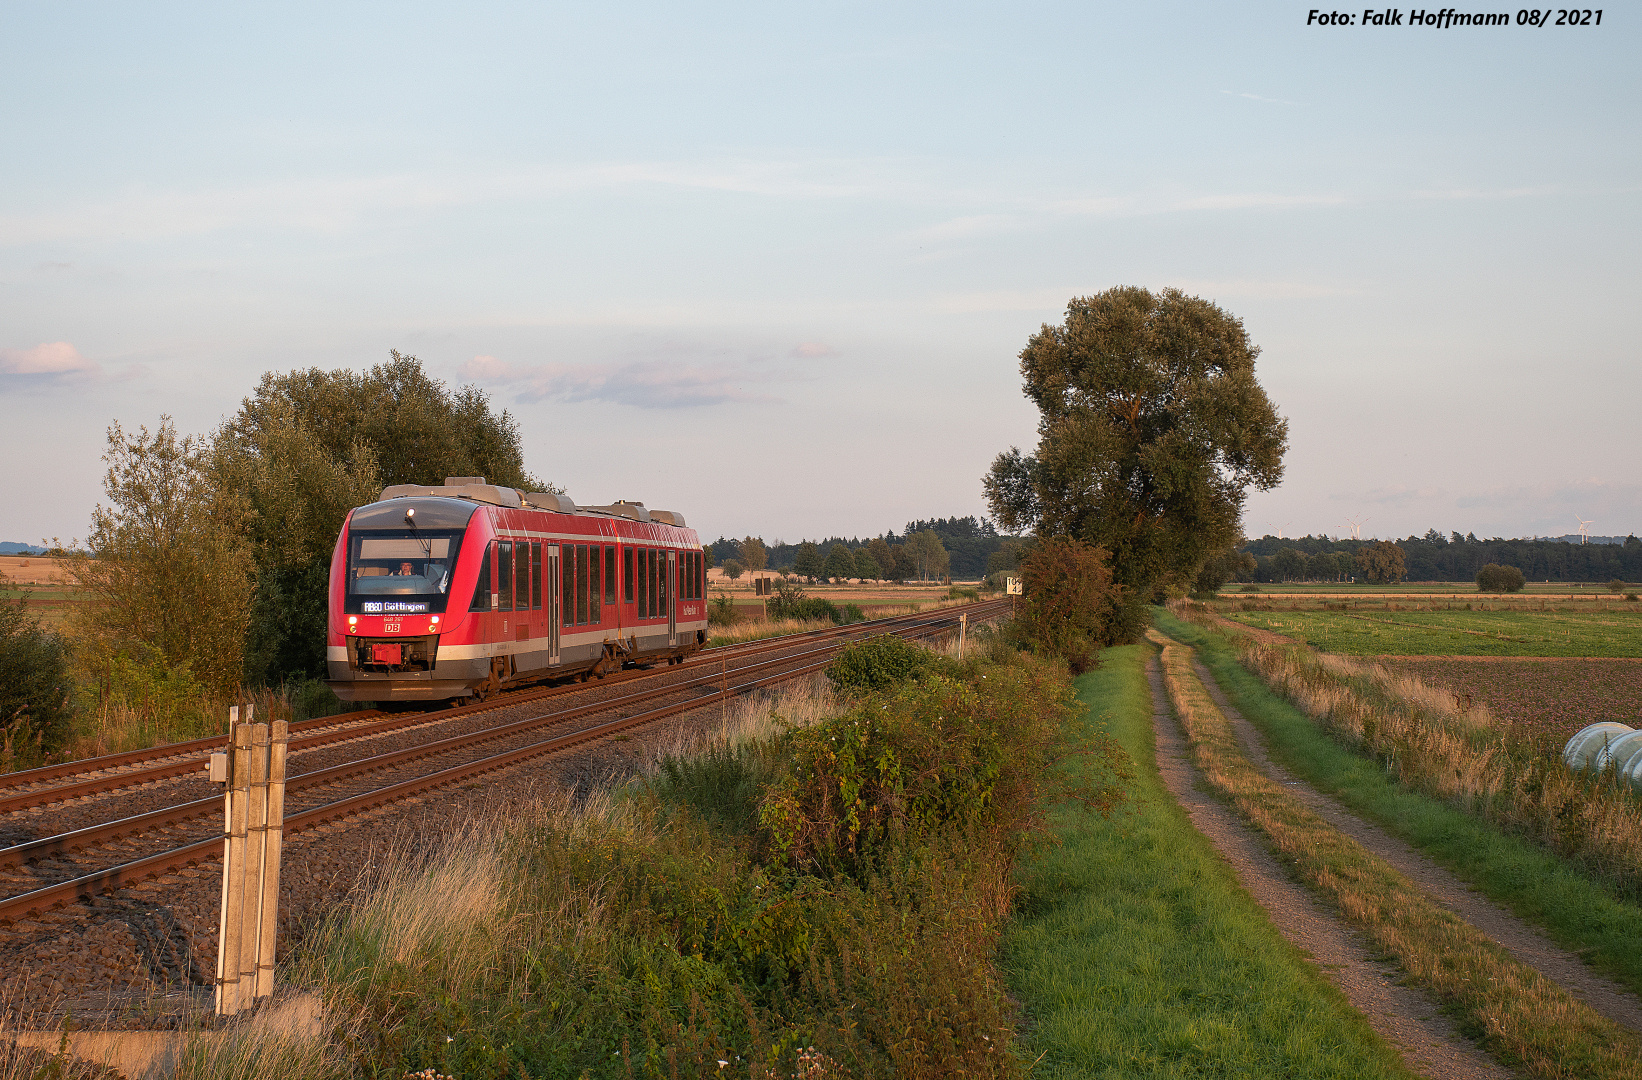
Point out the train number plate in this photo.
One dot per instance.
(387, 654)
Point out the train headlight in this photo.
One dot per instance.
(353, 620)
(434, 621)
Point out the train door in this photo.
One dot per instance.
(551, 599)
(669, 589)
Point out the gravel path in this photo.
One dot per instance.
(1404, 1016)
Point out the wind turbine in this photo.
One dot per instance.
(1584, 529)
(1356, 527)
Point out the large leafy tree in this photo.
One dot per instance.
(167, 572)
(1152, 427)
(754, 554)
(840, 563)
(309, 445)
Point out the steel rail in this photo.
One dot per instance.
(62, 843)
(156, 753)
(89, 886)
(197, 748)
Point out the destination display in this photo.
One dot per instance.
(394, 607)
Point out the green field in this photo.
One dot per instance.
(1456, 632)
(50, 602)
(1233, 590)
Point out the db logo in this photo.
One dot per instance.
(390, 628)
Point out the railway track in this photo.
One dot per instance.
(73, 865)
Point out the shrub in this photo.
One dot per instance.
(309, 698)
(1072, 607)
(1616, 586)
(721, 612)
(789, 602)
(879, 663)
(34, 687)
(1249, 588)
(929, 757)
(1496, 578)
(660, 934)
(733, 569)
(961, 592)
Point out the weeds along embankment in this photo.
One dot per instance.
(818, 884)
(1459, 754)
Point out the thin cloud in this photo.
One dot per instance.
(642, 384)
(812, 350)
(47, 361)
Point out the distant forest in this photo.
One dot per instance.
(970, 542)
(1435, 557)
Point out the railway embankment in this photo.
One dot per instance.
(804, 893)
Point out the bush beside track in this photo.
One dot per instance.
(823, 898)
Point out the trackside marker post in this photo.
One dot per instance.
(253, 776)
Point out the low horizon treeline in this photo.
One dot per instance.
(1435, 557)
(972, 548)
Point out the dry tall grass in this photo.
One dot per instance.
(1523, 1016)
(758, 629)
(1461, 754)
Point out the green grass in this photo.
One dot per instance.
(1456, 632)
(1349, 588)
(1137, 954)
(1580, 914)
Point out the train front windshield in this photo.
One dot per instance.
(400, 571)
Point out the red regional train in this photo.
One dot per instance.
(441, 593)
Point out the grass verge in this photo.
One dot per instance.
(1519, 1015)
(809, 900)
(1580, 911)
(1136, 953)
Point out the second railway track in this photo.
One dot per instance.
(73, 864)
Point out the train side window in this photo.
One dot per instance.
(535, 577)
(695, 575)
(627, 574)
(567, 585)
(521, 573)
(581, 584)
(610, 575)
(595, 585)
(481, 589)
(504, 575)
(658, 564)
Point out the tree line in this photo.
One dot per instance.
(933, 550)
(1436, 557)
(919, 556)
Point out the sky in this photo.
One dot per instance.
(771, 266)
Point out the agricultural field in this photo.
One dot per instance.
(1543, 701)
(1466, 590)
(1569, 630)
